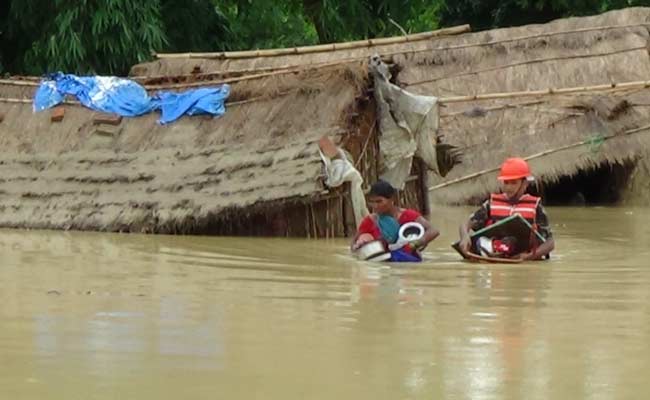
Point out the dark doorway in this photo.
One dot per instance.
(601, 185)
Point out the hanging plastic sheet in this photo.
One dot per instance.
(408, 125)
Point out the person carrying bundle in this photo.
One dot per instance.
(385, 222)
(514, 177)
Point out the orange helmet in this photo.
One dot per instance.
(514, 168)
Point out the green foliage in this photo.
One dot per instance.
(268, 23)
(194, 25)
(108, 36)
(258, 24)
(81, 35)
(360, 19)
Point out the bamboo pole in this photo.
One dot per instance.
(313, 218)
(243, 72)
(16, 82)
(238, 79)
(518, 64)
(341, 210)
(12, 100)
(319, 48)
(519, 38)
(272, 72)
(610, 87)
(371, 133)
(307, 226)
(29, 101)
(490, 43)
(328, 223)
(537, 155)
(219, 82)
(547, 92)
(229, 104)
(352, 59)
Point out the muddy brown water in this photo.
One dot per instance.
(104, 316)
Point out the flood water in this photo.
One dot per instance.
(104, 316)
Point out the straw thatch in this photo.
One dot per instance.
(563, 134)
(182, 177)
(560, 136)
(194, 65)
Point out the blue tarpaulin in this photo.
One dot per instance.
(129, 99)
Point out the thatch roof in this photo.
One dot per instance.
(611, 47)
(560, 135)
(141, 176)
(571, 52)
(229, 63)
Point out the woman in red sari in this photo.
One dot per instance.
(385, 221)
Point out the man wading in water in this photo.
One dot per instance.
(514, 177)
(385, 221)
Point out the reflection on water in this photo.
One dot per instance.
(97, 316)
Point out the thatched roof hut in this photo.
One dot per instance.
(257, 169)
(198, 175)
(560, 134)
(254, 171)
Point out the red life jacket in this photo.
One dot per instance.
(501, 207)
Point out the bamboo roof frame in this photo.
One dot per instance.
(518, 64)
(288, 69)
(295, 68)
(384, 41)
(320, 48)
(390, 53)
(385, 55)
(527, 37)
(31, 83)
(538, 155)
(610, 87)
(77, 103)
